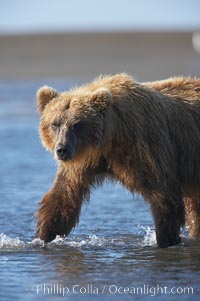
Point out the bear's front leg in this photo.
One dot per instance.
(60, 207)
(168, 221)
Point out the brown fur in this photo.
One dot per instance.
(189, 89)
(145, 136)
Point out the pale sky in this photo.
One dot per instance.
(90, 15)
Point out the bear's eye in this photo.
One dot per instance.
(54, 126)
(67, 106)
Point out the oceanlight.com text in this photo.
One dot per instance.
(108, 289)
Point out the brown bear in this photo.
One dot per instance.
(146, 136)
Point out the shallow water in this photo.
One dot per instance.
(112, 255)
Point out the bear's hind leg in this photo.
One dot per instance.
(168, 220)
(192, 209)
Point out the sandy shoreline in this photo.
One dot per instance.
(147, 56)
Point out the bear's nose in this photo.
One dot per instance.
(62, 152)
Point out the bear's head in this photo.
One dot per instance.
(72, 122)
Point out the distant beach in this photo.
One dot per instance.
(148, 56)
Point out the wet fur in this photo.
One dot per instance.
(189, 90)
(148, 139)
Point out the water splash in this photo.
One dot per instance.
(36, 243)
(149, 236)
(145, 236)
(7, 242)
(92, 240)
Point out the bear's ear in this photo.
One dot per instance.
(44, 95)
(101, 98)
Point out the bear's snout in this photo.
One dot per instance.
(66, 145)
(64, 152)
